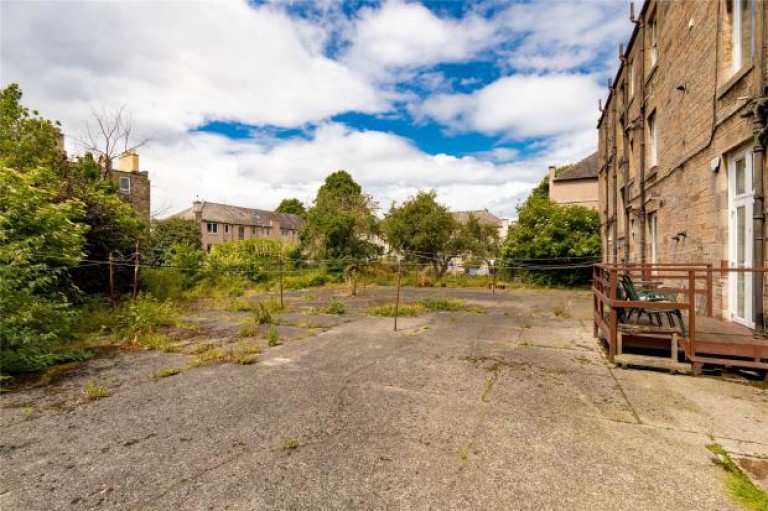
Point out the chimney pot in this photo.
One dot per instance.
(129, 162)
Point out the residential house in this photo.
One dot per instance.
(133, 184)
(681, 146)
(485, 217)
(220, 223)
(575, 185)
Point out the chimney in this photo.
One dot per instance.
(551, 176)
(129, 161)
(197, 209)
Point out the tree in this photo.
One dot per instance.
(341, 221)
(293, 207)
(423, 230)
(169, 233)
(477, 240)
(108, 135)
(552, 234)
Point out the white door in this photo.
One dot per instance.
(740, 194)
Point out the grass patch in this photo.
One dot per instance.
(93, 391)
(263, 311)
(561, 311)
(245, 353)
(291, 444)
(335, 306)
(159, 342)
(739, 485)
(248, 329)
(207, 354)
(164, 373)
(273, 337)
(388, 310)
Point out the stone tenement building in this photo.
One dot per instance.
(132, 183)
(681, 145)
(221, 222)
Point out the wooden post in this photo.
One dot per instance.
(282, 304)
(136, 258)
(692, 311)
(397, 298)
(710, 292)
(112, 280)
(493, 285)
(614, 319)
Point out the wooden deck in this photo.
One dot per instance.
(709, 341)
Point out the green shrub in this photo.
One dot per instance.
(273, 337)
(143, 315)
(335, 306)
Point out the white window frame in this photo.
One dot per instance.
(653, 140)
(631, 78)
(127, 188)
(740, 60)
(653, 41)
(735, 201)
(213, 228)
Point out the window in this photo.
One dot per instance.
(125, 185)
(208, 248)
(226, 229)
(653, 141)
(653, 42)
(213, 228)
(631, 78)
(653, 236)
(742, 14)
(253, 231)
(241, 232)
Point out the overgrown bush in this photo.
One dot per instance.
(143, 316)
(254, 259)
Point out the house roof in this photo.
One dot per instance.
(483, 216)
(226, 214)
(585, 169)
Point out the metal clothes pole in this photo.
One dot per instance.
(397, 299)
(112, 280)
(282, 305)
(136, 272)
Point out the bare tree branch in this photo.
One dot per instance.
(112, 130)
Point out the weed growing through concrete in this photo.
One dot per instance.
(158, 342)
(164, 373)
(388, 310)
(335, 306)
(291, 444)
(273, 337)
(248, 329)
(245, 353)
(207, 354)
(561, 311)
(262, 312)
(739, 485)
(448, 305)
(583, 360)
(27, 411)
(92, 391)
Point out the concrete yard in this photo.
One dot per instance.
(511, 408)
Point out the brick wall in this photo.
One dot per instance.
(698, 100)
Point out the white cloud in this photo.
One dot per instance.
(177, 65)
(406, 35)
(560, 36)
(387, 166)
(521, 106)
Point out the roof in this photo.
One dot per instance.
(585, 169)
(483, 216)
(226, 214)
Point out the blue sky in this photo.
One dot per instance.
(251, 102)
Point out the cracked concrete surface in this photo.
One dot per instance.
(510, 409)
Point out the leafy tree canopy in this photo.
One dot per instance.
(166, 235)
(293, 207)
(547, 231)
(341, 221)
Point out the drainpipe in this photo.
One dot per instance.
(614, 181)
(760, 110)
(641, 177)
(625, 159)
